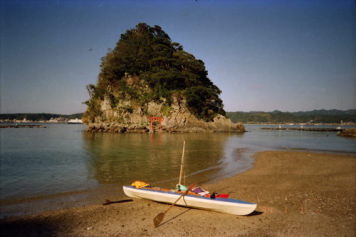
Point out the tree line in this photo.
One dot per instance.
(38, 116)
(314, 116)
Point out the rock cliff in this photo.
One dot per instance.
(128, 115)
(149, 83)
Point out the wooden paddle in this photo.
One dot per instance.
(158, 219)
(108, 202)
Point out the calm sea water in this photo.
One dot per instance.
(63, 166)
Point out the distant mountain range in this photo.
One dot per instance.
(314, 116)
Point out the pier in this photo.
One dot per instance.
(307, 129)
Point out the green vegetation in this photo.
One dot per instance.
(38, 116)
(148, 55)
(315, 116)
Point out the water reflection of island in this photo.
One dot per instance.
(122, 158)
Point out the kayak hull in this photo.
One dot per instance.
(224, 205)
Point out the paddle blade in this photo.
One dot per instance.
(158, 219)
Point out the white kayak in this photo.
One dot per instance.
(224, 205)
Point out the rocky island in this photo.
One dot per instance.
(148, 83)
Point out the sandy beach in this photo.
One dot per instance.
(298, 193)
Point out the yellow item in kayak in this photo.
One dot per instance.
(140, 184)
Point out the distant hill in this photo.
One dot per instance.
(315, 116)
(38, 116)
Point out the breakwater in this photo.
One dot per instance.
(307, 129)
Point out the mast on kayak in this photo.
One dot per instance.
(181, 165)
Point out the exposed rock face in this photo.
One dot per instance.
(150, 83)
(129, 116)
(350, 132)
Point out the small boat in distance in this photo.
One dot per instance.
(75, 121)
(224, 205)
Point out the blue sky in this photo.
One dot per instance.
(264, 55)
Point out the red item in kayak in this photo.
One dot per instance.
(222, 195)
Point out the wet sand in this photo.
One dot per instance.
(298, 194)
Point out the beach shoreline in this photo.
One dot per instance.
(299, 193)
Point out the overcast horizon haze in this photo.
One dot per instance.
(264, 55)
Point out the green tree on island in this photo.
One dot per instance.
(148, 53)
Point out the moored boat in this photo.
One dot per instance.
(75, 121)
(224, 205)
